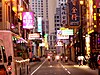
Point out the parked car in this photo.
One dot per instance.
(3, 70)
(36, 58)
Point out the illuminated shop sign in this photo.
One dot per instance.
(34, 36)
(28, 20)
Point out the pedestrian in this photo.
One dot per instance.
(98, 60)
(82, 59)
(79, 60)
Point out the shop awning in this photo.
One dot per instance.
(19, 39)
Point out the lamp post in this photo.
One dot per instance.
(81, 26)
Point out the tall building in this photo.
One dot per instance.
(61, 4)
(46, 10)
(51, 12)
(40, 9)
(57, 19)
(60, 20)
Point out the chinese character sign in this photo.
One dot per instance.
(28, 20)
(74, 12)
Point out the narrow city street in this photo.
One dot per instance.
(60, 68)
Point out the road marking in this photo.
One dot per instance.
(38, 68)
(68, 72)
(65, 69)
(50, 66)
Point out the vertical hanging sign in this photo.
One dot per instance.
(28, 20)
(74, 16)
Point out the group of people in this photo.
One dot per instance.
(92, 61)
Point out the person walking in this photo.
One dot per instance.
(79, 60)
(82, 59)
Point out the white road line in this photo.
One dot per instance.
(65, 69)
(38, 68)
(68, 72)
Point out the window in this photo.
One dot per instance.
(4, 54)
(57, 28)
(57, 20)
(57, 16)
(57, 24)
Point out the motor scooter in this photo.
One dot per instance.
(49, 58)
(61, 58)
(66, 59)
(57, 58)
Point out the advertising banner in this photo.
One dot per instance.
(28, 20)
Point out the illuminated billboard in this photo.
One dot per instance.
(28, 20)
(67, 32)
(61, 36)
(39, 19)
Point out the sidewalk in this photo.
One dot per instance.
(74, 63)
(86, 67)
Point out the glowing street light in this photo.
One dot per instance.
(81, 2)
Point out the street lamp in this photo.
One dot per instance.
(81, 2)
(81, 27)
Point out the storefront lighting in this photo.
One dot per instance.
(92, 23)
(99, 14)
(21, 9)
(94, 6)
(94, 17)
(94, 14)
(95, 26)
(14, 8)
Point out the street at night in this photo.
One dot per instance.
(61, 68)
(49, 37)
